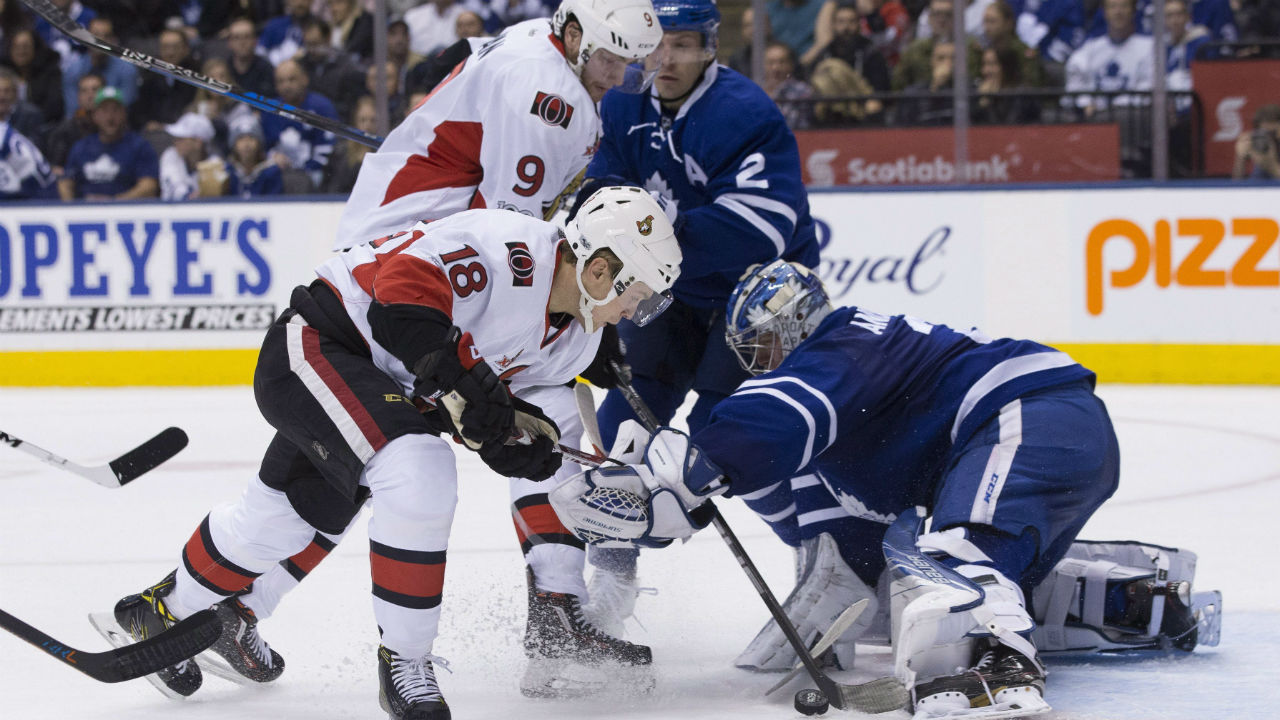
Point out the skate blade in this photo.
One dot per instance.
(1207, 608)
(212, 663)
(1012, 703)
(106, 625)
(564, 679)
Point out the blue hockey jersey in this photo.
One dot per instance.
(24, 173)
(307, 147)
(731, 166)
(874, 404)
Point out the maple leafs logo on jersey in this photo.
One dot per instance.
(520, 260)
(552, 109)
(645, 226)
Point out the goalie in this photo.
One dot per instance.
(1001, 442)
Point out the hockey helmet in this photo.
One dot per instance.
(626, 28)
(774, 307)
(701, 16)
(629, 223)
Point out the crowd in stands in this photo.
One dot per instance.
(98, 127)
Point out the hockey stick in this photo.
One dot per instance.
(833, 633)
(178, 643)
(877, 696)
(118, 472)
(60, 20)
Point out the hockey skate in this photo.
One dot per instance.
(570, 657)
(407, 687)
(1001, 683)
(241, 653)
(138, 617)
(611, 599)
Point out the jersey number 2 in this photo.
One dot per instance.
(466, 278)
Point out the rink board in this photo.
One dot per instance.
(1141, 284)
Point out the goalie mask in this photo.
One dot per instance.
(627, 28)
(628, 222)
(773, 309)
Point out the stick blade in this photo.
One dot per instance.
(883, 695)
(181, 642)
(148, 455)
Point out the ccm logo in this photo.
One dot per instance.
(1157, 251)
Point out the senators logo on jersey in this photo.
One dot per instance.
(520, 260)
(552, 109)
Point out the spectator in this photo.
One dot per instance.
(498, 14)
(113, 163)
(140, 21)
(781, 85)
(331, 73)
(55, 39)
(793, 22)
(343, 168)
(931, 103)
(1002, 71)
(999, 31)
(468, 25)
(115, 72)
(834, 78)
(281, 38)
(13, 17)
(973, 20)
(39, 77)
(741, 60)
(220, 109)
(352, 29)
(1258, 19)
(19, 114)
(918, 65)
(396, 100)
(249, 70)
(1184, 46)
(291, 144)
(1258, 153)
(68, 132)
(187, 169)
(888, 24)
(850, 46)
(1055, 28)
(162, 99)
(398, 51)
(24, 172)
(433, 25)
(1122, 60)
(249, 172)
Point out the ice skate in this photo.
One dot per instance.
(570, 657)
(408, 689)
(611, 599)
(146, 614)
(240, 649)
(1001, 683)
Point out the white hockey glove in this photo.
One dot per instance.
(679, 466)
(630, 443)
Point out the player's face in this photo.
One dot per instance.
(603, 72)
(680, 59)
(768, 352)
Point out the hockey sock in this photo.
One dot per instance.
(621, 561)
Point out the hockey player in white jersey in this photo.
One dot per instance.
(449, 328)
(511, 127)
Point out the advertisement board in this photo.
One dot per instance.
(1231, 91)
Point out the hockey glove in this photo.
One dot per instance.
(479, 405)
(678, 465)
(533, 453)
(612, 354)
(613, 507)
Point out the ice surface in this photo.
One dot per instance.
(1201, 469)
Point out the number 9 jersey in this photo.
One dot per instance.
(510, 128)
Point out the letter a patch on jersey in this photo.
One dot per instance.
(552, 109)
(520, 260)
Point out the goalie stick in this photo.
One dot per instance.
(121, 471)
(178, 643)
(877, 696)
(63, 22)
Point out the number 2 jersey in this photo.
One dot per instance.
(510, 128)
(491, 272)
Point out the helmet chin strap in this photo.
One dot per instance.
(586, 304)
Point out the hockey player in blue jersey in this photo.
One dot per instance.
(1001, 442)
(716, 149)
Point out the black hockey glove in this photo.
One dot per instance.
(534, 455)
(612, 354)
(485, 413)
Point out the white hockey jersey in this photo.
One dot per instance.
(489, 271)
(1103, 64)
(510, 129)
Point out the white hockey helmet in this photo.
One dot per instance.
(632, 225)
(627, 28)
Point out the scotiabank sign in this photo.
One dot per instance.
(1231, 91)
(925, 156)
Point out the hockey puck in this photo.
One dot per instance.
(811, 702)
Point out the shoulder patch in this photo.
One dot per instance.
(520, 260)
(552, 109)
